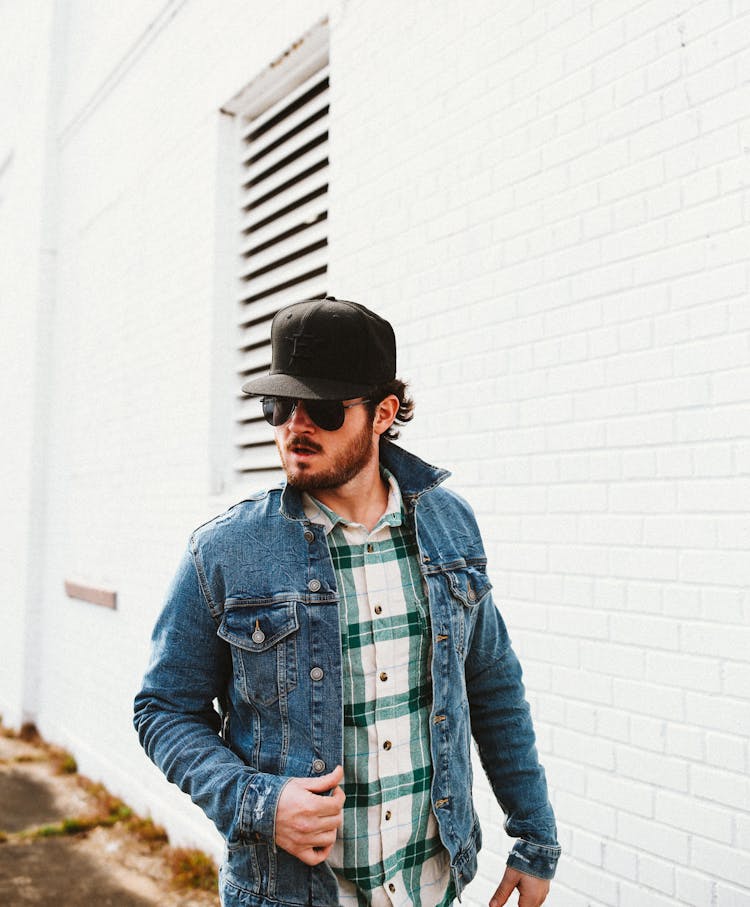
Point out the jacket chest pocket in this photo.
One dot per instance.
(263, 639)
(468, 587)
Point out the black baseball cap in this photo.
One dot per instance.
(327, 349)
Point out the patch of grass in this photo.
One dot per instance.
(192, 869)
(147, 831)
(109, 809)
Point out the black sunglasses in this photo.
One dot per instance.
(326, 414)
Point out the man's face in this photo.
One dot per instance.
(314, 459)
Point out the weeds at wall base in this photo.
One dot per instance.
(190, 869)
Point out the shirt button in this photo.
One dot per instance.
(314, 585)
(383, 676)
(388, 816)
(387, 745)
(370, 549)
(378, 609)
(391, 887)
(318, 765)
(309, 535)
(316, 674)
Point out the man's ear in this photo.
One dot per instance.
(385, 414)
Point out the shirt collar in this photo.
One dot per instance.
(317, 512)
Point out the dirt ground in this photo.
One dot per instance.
(66, 841)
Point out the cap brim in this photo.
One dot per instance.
(305, 388)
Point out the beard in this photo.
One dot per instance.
(342, 466)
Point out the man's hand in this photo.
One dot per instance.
(307, 819)
(531, 890)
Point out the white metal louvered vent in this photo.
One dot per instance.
(284, 240)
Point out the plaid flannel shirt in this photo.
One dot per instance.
(388, 853)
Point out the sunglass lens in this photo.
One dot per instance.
(277, 410)
(326, 414)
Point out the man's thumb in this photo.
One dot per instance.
(324, 783)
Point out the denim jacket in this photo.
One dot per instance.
(251, 622)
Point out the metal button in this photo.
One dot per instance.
(258, 637)
(314, 585)
(387, 745)
(471, 595)
(318, 765)
(316, 674)
(383, 676)
(309, 535)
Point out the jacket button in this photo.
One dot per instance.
(471, 595)
(309, 535)
(316, 674)
(318, 765)
(314, 585)
(258, 637)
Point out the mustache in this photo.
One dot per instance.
(303, 445)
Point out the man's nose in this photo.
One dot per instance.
(300, 421)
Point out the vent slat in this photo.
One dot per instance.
(298, 172)
(296, 226)
(273, 259)
(304, 94)
(288, 133)
(297, 198)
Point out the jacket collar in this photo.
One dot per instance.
(414, 477)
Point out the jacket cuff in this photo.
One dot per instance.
(257, 820)
(538, 860)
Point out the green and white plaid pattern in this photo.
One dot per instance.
(389, 852)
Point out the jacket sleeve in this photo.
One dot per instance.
(178, 725)
(502, 727)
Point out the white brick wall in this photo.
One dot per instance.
(550, 201)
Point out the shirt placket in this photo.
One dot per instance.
(378, 606)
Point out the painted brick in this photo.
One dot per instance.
(623, 793)
(726, 862)
(649, 836)
(693, 815)
(693, 888)
(620, 861)
(648, 699)
(684, 671)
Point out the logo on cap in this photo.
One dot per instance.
(303, 345)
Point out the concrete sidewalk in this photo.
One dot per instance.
(45, 861)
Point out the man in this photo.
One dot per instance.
(344, 624)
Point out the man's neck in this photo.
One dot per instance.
(362, 499)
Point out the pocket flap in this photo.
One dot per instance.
(257, 628)
(469, 586)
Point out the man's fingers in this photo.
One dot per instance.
(504, 889)
(324, 783)
(308, 816)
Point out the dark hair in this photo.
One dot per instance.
(405, 412)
